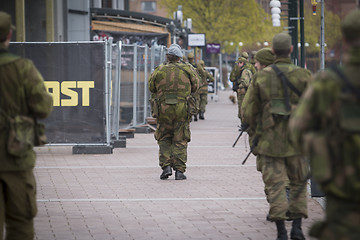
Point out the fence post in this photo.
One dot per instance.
(146, 84)
(108, 72)
(135, 86)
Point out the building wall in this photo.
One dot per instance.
(136, 6)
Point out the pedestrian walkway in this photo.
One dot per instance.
(120, 196)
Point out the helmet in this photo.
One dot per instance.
(190, 56)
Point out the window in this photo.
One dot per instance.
(148, 6)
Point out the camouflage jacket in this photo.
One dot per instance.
(204, 76)
(326, 124)
(235, 73)
(173, 82)
(250, 67)
(241, 76)
(263, 108)
(244, 81)
(22, 92)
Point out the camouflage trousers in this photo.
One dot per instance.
(342, 220)
(240, 98)
(173, 134)
(203, 101)
(274, 172)
(18, 199)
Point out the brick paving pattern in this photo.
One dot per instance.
(120, 195)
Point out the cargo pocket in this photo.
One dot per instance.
(154, 103)
(31, 206)
(318, 150)
(191, 104)
(350, 117)
(187, 133)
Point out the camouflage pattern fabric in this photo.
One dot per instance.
(267, 91)
(244, 82)
(327, 125)
(274, 172)
(278, 157)
(250, 67)
(172, 84)
(342, 220)
(202, 77)
(22, 92)
(203, 91)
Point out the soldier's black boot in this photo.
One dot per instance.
(201, 115)
(296, 231)
(166, 172)
(281, 230)
(179, 175)
(195, 117)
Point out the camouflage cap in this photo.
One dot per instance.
(245, 55)
(241, 60)
(5, 25)
(202, 63)
(351, 27)
(190, 55)
(265, 56)
(282, 41)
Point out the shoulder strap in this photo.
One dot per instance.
(282, 76)
(341, 74)
(286, 83)
(186, 72)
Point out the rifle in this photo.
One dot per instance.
(242, 129)
(253, 145)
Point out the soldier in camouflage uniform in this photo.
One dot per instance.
(263, 58)
(171, 85)
(327, 125)
(270, 103)
(201, 74)
(248, 64)
(22, 92)
(203, 91)
(240, 76)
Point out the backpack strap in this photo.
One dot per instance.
(286, 83)
(342, 76)
(186, 72)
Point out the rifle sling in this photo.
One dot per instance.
(286, 83)
(346, 81)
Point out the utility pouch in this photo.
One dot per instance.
(154, 103)
(21, 136)
(171, 98)
(318, 150)
(40, 136)
(278, 107)
(350, 117)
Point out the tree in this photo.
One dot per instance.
(226, 21)
(312, 28)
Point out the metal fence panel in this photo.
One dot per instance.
(74, 74)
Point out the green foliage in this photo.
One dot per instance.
(312, 28)
(226, 21)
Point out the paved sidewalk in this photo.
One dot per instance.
(120, 196)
